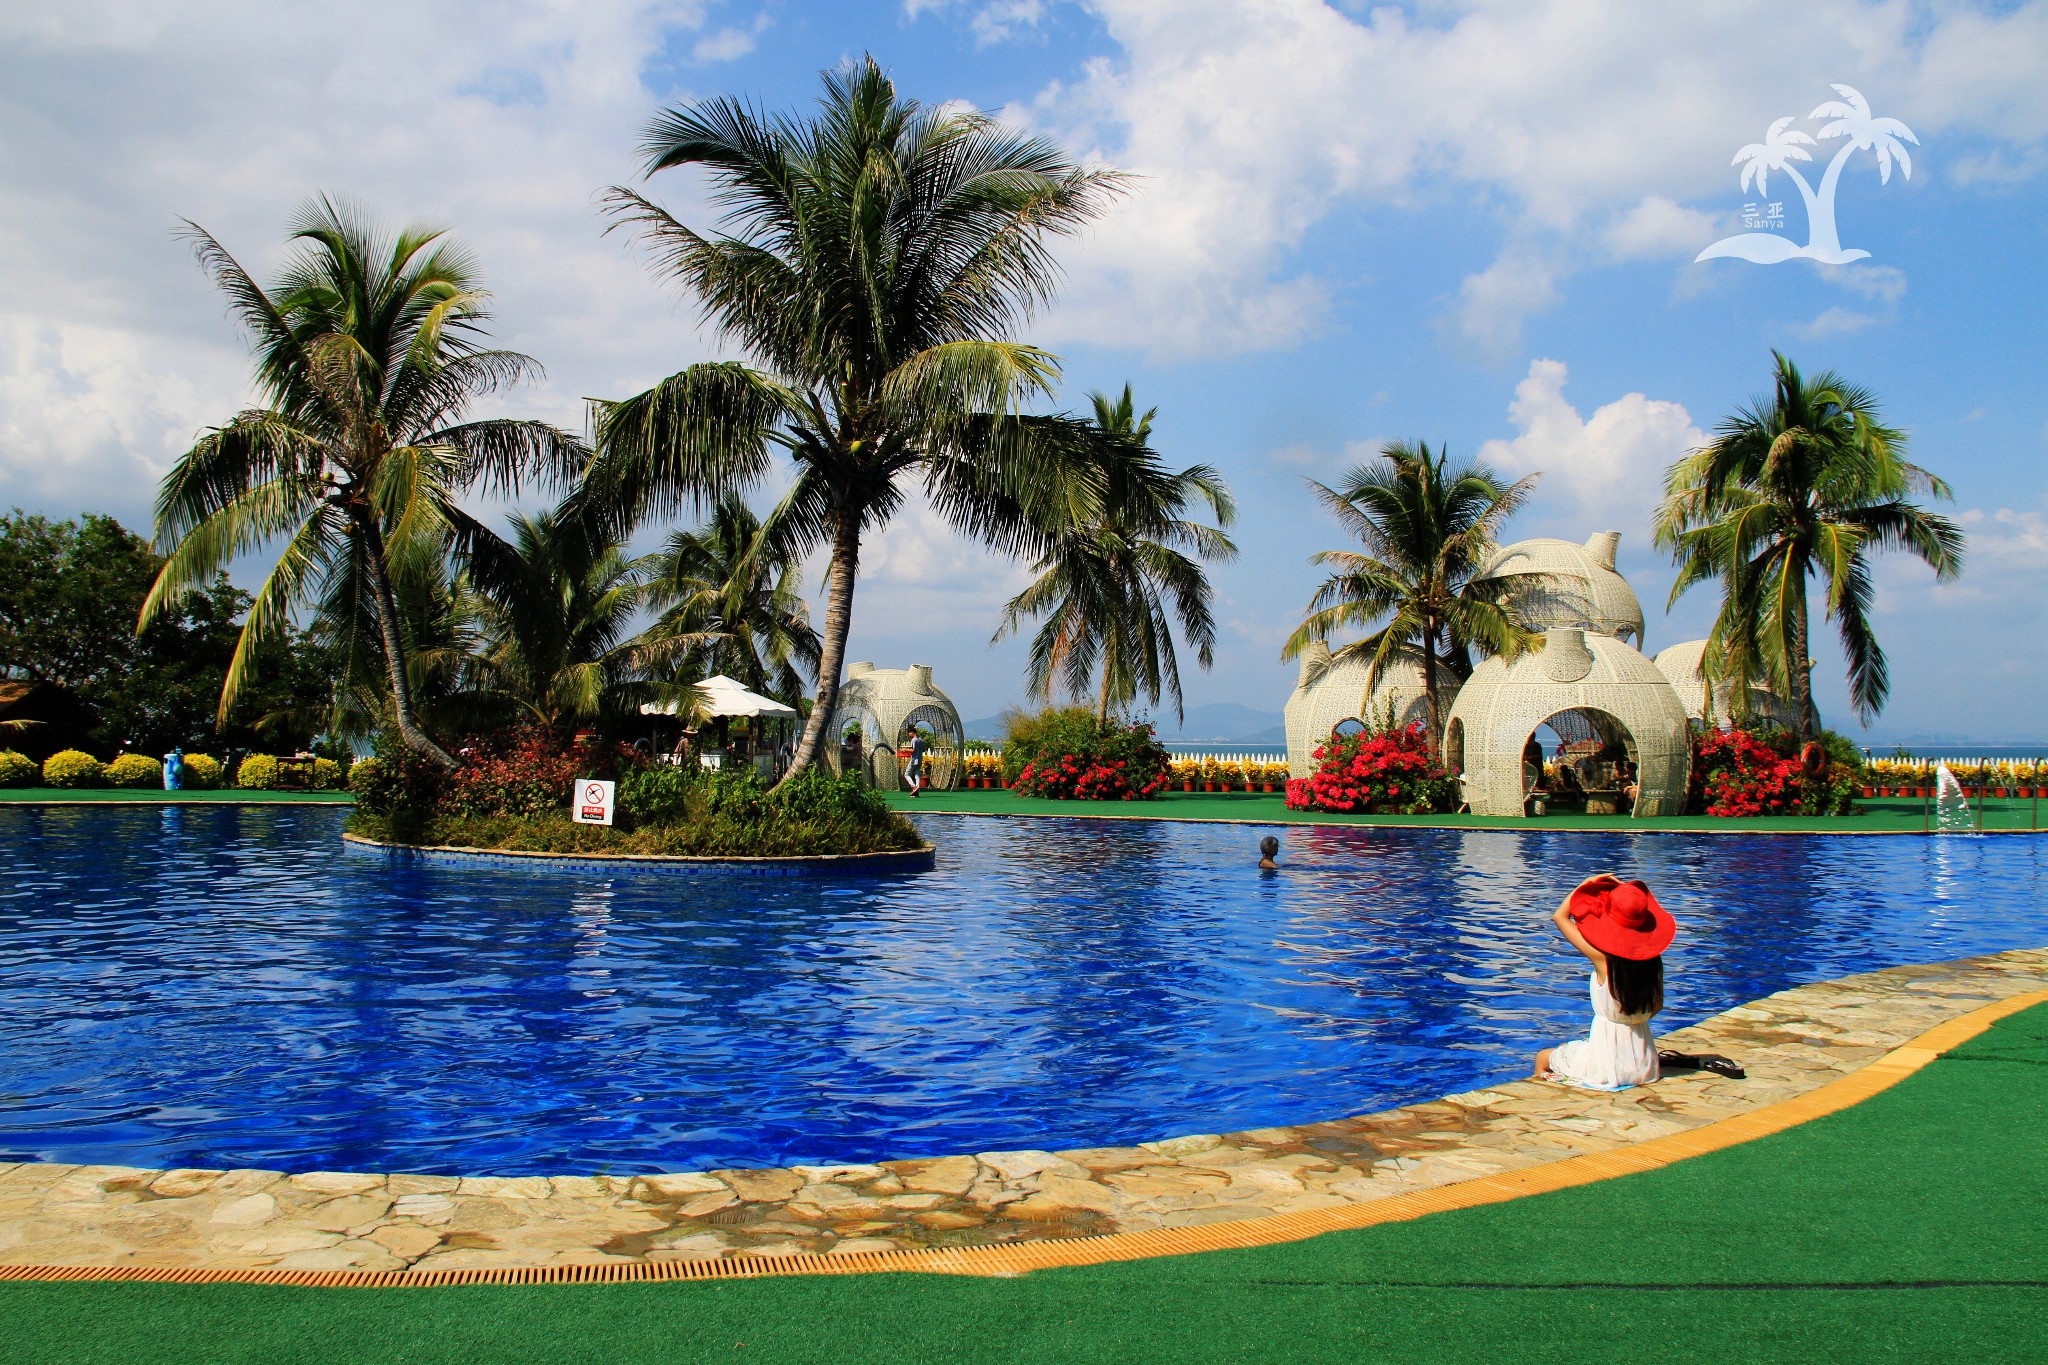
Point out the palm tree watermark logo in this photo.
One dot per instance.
(1850, 119)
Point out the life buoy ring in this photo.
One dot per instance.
(1813, 758)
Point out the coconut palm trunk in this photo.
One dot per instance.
(403, 714)
(832, 643)
(1432, 630)
(1798, 648)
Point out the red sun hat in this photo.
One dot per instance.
(1622, 918)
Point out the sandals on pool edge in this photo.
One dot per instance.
(1703, 1061)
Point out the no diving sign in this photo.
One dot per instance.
(592, 802)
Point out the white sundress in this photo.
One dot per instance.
(1618, 1053)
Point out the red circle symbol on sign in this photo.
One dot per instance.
(594, 794)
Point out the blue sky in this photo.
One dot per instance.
(1466, 223)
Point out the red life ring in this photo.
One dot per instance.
(1813, 759)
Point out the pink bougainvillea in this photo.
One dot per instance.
(1389, 772)
(1741, 773)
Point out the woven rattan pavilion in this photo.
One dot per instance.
(1560, 583)
(878, 708)
(1598, 694)
(1330, 694)
(1683, 665)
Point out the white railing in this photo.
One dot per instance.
(1934, 760)
(1274, 755)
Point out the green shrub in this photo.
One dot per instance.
(73, 768)
(660, 795)
(1067, 754)
(17, 770)
(329, 775)
(1842, 750)
(674, 811)
(398, 780)
(364, 776)
(258, 773)
(135, 770)
(202, 772)
(1034, 736)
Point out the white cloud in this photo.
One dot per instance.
(117, 119)
(1493, 304)
(1885, 283)
(1659, 227)
(1835, 322)
(1608, 467)
(728, 44)
(1582, 126)
(993, 21)
(1310, 458)
(2005, 541)
(919, 575)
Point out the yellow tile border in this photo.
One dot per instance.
(1017, 1258)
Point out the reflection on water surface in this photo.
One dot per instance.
(213, 986)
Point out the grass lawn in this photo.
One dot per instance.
(1884, 815)
(1907, 1228)
(149, 796)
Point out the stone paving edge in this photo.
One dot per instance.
(1811, 1050)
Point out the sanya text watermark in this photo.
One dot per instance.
(1850, 119)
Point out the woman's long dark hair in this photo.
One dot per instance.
(1637, 986)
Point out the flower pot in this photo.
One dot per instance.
(1187, 784)
(1208, 786)
(1266, 787)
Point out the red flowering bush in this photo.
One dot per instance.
(1071, 756)
(1738, 773)
(526, 771)
(1392, 772)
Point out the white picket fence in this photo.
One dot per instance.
(1248, 756)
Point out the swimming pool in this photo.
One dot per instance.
(219, 986)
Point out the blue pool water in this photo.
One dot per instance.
(209, 986)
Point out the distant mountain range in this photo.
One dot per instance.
(1223, 722)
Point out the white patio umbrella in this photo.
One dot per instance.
(724, 697)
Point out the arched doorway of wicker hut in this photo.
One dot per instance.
(1602, 701)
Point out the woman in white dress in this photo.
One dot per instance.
(1623, 932)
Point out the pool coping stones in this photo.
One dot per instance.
(1809, 1048)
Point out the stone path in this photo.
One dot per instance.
(1790, 1043)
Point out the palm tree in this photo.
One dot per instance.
(733, 604)
(880, 252)
(368, 352)
(438, 620)
(1115, 577)
(1427, 530)
(559, 602)
(1804, 481)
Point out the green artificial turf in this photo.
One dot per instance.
(1913, 1227)
(1881, 815)
(150, 796)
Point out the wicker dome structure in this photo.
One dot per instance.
(1332, 692)
(1596, 692)
(1569, 585)
(877, 709)
(1684, 663)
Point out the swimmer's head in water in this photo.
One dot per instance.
(1269, 846)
